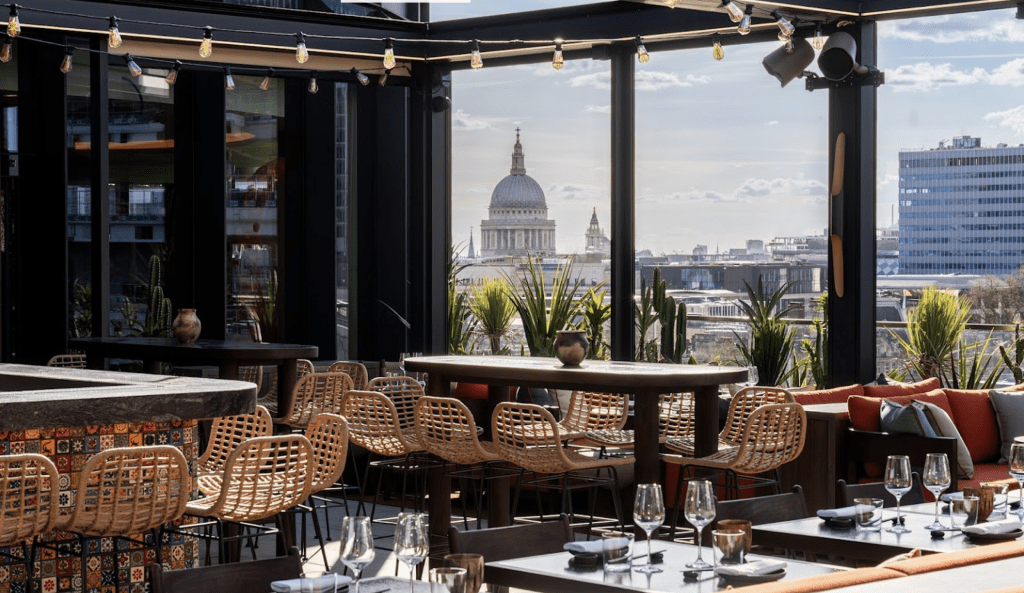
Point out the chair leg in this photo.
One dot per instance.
(515, 498)
(318, 532)
(616, 500)
(675, 504)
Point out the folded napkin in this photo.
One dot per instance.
(591, 547)
(751, 569)
(324, 584)
(993, 527)
(840, 513)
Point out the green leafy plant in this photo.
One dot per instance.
(157, 320)
(541, 322)
(1014, 363)
(493, 310)
(934, 331)
(595, 312)
(460, 318)
(264, 311)
(771, 337)
(974, 367)
(644, 317)
(656, 306)
(816, 364)
(81, 310)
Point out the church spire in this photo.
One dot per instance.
(472, 253)
(518, 160)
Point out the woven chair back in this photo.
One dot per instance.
(252, 374)
(328, 434)
(129, 490)
(227, 432)
(743, 405)
(774, 436)
(71, 361)
(29, 485)
(675, 415)
(265, 476)
(303, 367)
(589, 410)
(445, 427)
(355, 370)
(527, 435)
(317, 393)
(373, 424)
(404, 392)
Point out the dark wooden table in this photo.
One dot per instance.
(646, 381)
(552, 573)
(227, 355)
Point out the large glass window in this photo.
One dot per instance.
(79, 205)
(8, 162)
(254, 178)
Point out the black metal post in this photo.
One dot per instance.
(99, 108)
(623, 151)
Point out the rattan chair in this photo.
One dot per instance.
(262, 478)
(328, 435)
(226, 434)
(741, 407)
(589, 410)
(315, 393)
(355, 370)
(28, 501)
(252, 374)
(303, 367)
(527, 436)
(404, 392)
(675, 420)
(774, 435)
(125, 491)
(71, 361)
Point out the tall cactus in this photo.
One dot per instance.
(672, 317)
(158, 310)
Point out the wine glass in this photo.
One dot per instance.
(699, 510)
(648, 514)
(752, 377)
(357, 548)
(411, 542)
(936, 479)
(1017, 472)
(898, 482)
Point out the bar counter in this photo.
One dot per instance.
(70, 414)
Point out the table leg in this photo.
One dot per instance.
(645, 431)
(498, 499)
(705, 429)
(153, 367)
(287, 377)
(439, 507)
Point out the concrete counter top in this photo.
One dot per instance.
(49, 397)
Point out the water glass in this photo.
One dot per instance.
(868, 513)
(617, 551)
(1017, 473)
(742, 525)
(898, 482)
(474, 565)
(411, 541)
(448, 579)
(699, 510)
(963, 511)
(356, 546)
(648, 514)
(936, 479)
(729, 545)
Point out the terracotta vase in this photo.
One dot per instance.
(571, 347)
(186, 326)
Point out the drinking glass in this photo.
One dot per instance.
(448, 579)
(357, 549)
(962, 509)
(898, 482)
(1017, 472)
(474, 565)
(411, 542)
(936, 479)
(699, 510)
(752, 377)
(648, 514)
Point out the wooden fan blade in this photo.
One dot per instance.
(837, 265)
(838, 164)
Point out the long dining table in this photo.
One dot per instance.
(645, 381)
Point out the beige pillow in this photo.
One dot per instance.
(943, 426)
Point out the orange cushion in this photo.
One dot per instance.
(470, 391)
(987, 473)
(833, 580)
(893, 391)
(864, 410)
(986, 553)
(836, 395)
(976, 420)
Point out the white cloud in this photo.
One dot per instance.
(994, 27)
(1011, 118)
(465, 121)
(646, 80)
(606, 109)
(925, 77)
(750, 191)
(1009, 74)
(570, 67)
(774, 122)
(576, 192)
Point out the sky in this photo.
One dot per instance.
(723, 153)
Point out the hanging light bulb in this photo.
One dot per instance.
(786, 28)
(301, 53)
(717, 51)
(229, 81)
(744, 27)
(790, 46)
(818, 41)
(558, 60)
(69, 59)
(671, 3)
(475, 59)
(362, 78)
(133, 68)
(114, 39)
(735, 13)
(312, 88)
(389, 54)
(13, 24)
(384, 77)
(265, 83)
(7, 49)
(206, 47)
(172, 76)
(641, 52)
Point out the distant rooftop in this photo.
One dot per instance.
(961, 143)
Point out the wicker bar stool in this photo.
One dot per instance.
(28, 501)
(269, 399)
(328, 435)
(675, 420)
(69, 361)
(226, 434)
(404, 392)
(741, 407)
(252, 374)
(126, 491)
(590, 410)
(315, 393)
(527, 436)
(355, 370)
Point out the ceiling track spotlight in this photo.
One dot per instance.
(114, 38)
(475, 59)
(786, 28)
(389, 54)
(558, 60)
(641, 52)
(744, 26)
(785, 64)
(301, 53)
(362, 78)
(735, 12)
(717, 52)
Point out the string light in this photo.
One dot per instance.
(114, 39)
(790, 46)
(312, 88)
(818, 41)
(133, 68)
(717, 51)
(362, 78)
(735, 14)
(206, 46)
(13, 24)
(641, 52)
(7, 49)
(265, 83)
(301, 53)
(389, 54)
(69, 59)
(744, 27)
(786, 28)
(229, 81)
(384, 77)
(475, 59)
(172, 76)
(558, 60)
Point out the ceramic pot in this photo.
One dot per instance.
(571, 347)
(186, 326)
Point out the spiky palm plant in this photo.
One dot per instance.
(771, 337)
(460, 319)
(934, 329)
(595, 312)
(540, 321)
(493, 310)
